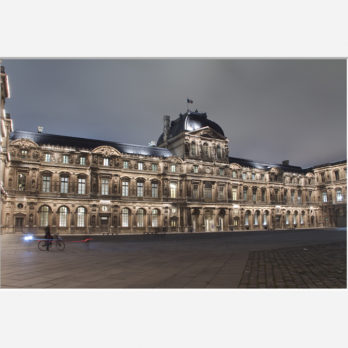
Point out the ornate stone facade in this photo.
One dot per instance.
(187, 183)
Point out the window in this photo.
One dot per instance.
(219, 152)
(263, 195)
(140, 165)
(235, 221)
(234, 174)
(322, 177)
(173, 187)
(140, 189)
(65, 159)
(195, 192)
(207, 192)
(154, 167)
(21, 182)
(64, 183)
(44, 216)
(125, 164)
(154, 220)
(106, 162)
(46, 183)
(104, 186)
(299, 197)
(221, 192)
(254, 194)
(140, 218)
(193, 149)
(234, 194)
(82, 161)
(324, 197)
(47, 157)
(81, 212)
(24, 153)
(154, 190)
(339, 197)
(221, 171)
(125, 217)
(287, 218)
(256, 218)
(337, 175)
(301, 219)
(292, 196)
(294, 219)
(81, 186)
(264, 222)
(253, 176)
(262, 177)
(245, 193)
(125, 186)
(63, 216)
(246, 219)
(173, 168)
(244, 176)
(205, 150)
(195, 169)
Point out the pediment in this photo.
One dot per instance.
(207, 132)
(235, 166)
(24, 143)
(106, 151)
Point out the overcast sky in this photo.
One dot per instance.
(270, 110)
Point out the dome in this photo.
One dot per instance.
(189, 122)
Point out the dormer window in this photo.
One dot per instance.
(65, 159)
(47, 157)
(24, 153)
(140, 165)
(173, 168)
(234, 174)
(154, 167)
(82, 160)
(125, 164)
(106, 162)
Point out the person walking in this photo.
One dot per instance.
(48, 238)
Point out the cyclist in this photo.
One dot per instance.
(48, 237)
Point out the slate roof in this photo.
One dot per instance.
(190, 121)
(89, 144)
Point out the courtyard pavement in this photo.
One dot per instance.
(260, 259)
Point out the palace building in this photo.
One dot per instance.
(187, 183)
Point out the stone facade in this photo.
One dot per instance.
(187, 183)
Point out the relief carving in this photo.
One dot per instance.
(106, 151)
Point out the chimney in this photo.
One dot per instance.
(166, 123)
(40, 129)
(285, 163)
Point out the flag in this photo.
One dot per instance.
(189, 101)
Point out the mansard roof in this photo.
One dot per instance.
(89, 144)
(190, 121)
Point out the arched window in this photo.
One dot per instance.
(295, 218)
(44, 216)
(81, 213)
(63, 216)
(246, 218)
(125, 217)
(302, 218)
(264, 220)
(287, 218)
(339, 196)
(140, 218)
(256, 218)
(154, 219)
(193, 149)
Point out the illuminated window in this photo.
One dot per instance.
(125, 217)
(195, 169)
(65, 159)
(256, 218)
(292, 196)
(140, 218)
(246, 219)
(104, 186)
(81, 187)
(339, 197)
(44, 216)
(154, 190)
(64, 183)
(234, 174)
(154, 219)
(46, 183)
(21, 182)
(105, 161)
(125, 186)
(287, 218)
(173, 168)
(140, 165)
(264, 220)
(301, 219)
(154, 167)
(173, 187)
(81, 213)
(82, 161)
(47, 157)
(324, 197)
(234, 194)
(235, 221)
(253, 176)
(24, 153)
(140, 189)
(125, 164)
(299, 196)
(63, 216)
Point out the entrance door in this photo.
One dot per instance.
(19, 224)
(104, 223)
(208, 223)
(221, 223)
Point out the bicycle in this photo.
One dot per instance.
(56, 242)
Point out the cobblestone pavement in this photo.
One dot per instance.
(183, 261)
(312, 266)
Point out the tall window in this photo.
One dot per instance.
(81, 187)
(140, 165)
(256, 218)
(207, 192)
(219, 152)
(245, 193)
(252, 176)
(154, 219)
(173, 168)
(339, 197)
(262, 177)
(63, 216)
(105, 161)
(125, 187)
(234, 193)
(221, 171)
(173, 187)
(65, 159)
(287, 218)
(21, 182)
(81, 213)
(125, 164)
(140, 218)
(44, 216)
(234, 174)
(125, 217)
(324, 197)
(301, 219)
(82, 161)
(46, 183)
(24, 153)
(292, 196)
(205, 150)
(294, 218)
(221, 193)
(47, 157)
(104, 186)
(154, 190)
(246, 219)
(193, 149)
(154, 167)
(264, 220)
(140, 189)
(64, 184)
(299, 196)
(263, 195)
(195, 169)
(244, 176)
(195, 192)
(254, 194)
